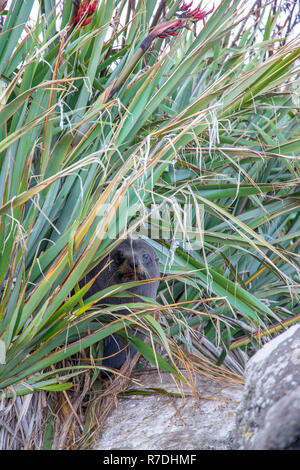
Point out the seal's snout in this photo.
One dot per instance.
(132, 269)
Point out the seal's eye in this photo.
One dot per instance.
(119, 257)
(146, 258)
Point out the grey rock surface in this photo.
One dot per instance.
(269, 414)
(159, 422)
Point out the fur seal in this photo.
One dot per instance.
(131, 260)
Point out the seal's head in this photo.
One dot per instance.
(131, 260)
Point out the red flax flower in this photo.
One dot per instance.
(184, 14)
(86, 8)
(163, 30)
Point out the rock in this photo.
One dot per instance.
(269, 413)
(160, 422)
(281, 428)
